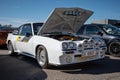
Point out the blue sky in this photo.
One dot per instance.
(17, 12)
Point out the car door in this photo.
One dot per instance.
(23, 41)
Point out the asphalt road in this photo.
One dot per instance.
(26, 68)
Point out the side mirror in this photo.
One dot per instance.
(100, 33)
(15, 32)
(27, 34)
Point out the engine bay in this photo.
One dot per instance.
(63, 37)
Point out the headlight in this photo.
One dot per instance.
(80, 47)
(85, 43)
(65, 45)
(69, 45)
(97, 44)
(72, 45)
(91, 43)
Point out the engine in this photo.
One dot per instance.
(63, 37)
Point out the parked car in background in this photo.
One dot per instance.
(109, 33)
(54, 41)
(3, 34)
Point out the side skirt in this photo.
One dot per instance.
(28, 54)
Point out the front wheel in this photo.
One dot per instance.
(42, 57)
(114, 48)
(10, 48)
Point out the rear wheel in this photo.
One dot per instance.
(42, 57)
(114, 48)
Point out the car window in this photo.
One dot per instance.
(92, 30)
(26, 29)
(36, 27)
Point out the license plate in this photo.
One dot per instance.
(90, 53)
(86, 58)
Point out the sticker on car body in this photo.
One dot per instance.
(22, 39)
(18, 38)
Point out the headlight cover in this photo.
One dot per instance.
(85, 43)
(72, 45)
(91, 43)
(80, 47)
(69, 46)
(65, 45)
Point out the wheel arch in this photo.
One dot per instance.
(46, 65)
(37, 48)
(8, 42)
(111, 42)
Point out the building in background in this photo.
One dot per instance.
(107, 21)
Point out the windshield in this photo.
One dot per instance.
(110, 29)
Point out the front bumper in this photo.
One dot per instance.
(83, 56)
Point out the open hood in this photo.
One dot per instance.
(67, 20)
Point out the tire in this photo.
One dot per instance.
(42, 57)
(114, 48)
(10, 48)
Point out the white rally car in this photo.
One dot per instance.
(55, 42)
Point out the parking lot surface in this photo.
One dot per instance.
(26, 68)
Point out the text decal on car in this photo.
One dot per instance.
(18, 38)
(72, 13)
(22, 39)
